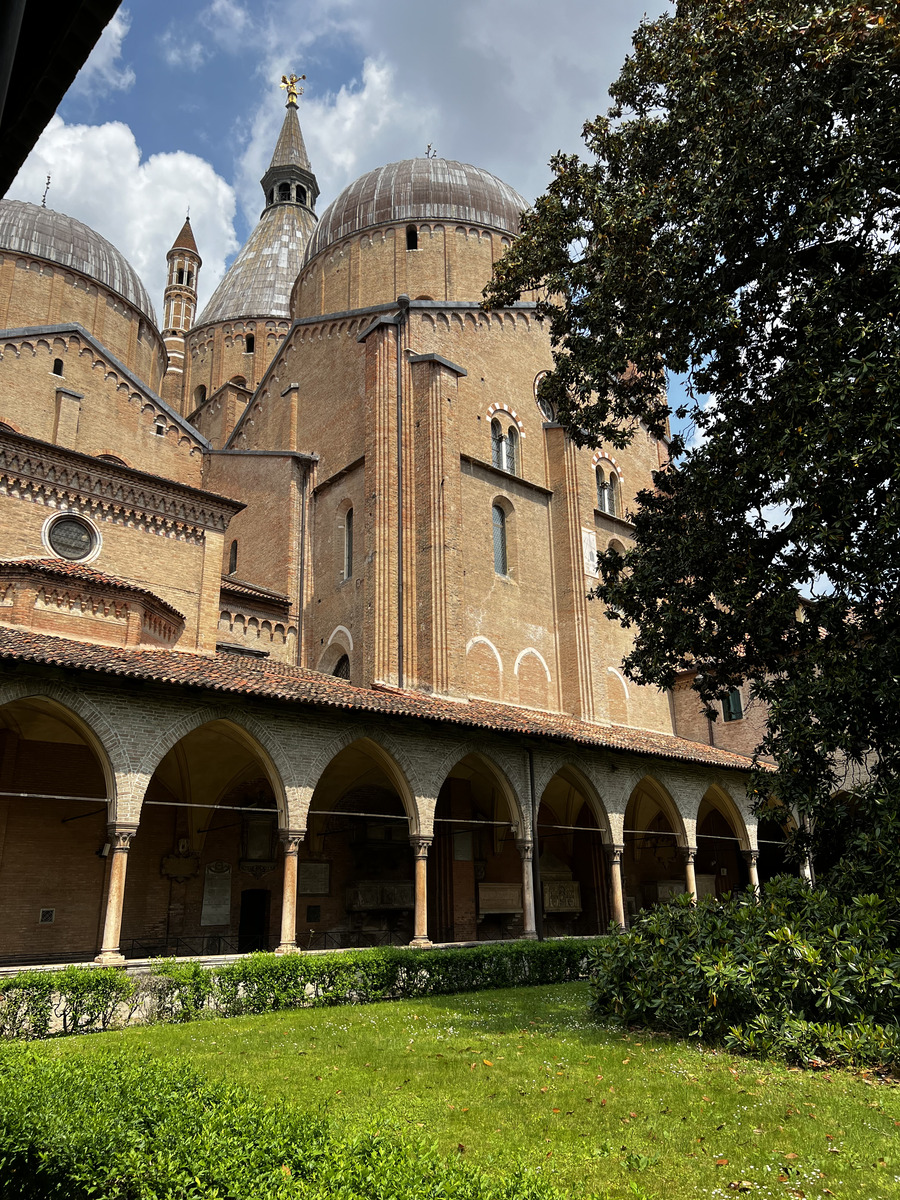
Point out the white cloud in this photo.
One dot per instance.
(98, 177)
(104, 72)
(180, 53)
(229, 24)
(346, 133)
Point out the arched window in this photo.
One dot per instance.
(284, 191)
(348, 543)
(412, 237)
(342, 668)
(608, 492)
(232, 558)
(496, 443)
(249, 344)
(181, 274)
(512, 450)
(57, 366)
(190, 278)
(501, 562)
(199, 395)
(271, 196)
(301, 195)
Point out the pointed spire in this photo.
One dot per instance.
(185, 239)
(289, 178)
(290, 150)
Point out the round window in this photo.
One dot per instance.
(71, 538)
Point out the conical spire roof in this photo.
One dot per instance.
(185, 239)
(290, 149)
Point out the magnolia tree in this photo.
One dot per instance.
(735, 222)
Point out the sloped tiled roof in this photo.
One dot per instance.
(62, 568)
(240, 587)
(290, 149)
(264, 679)
(185, 239)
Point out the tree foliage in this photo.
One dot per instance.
(736, 222)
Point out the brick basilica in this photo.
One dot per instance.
(295, 644)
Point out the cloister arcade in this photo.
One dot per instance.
(184, 828)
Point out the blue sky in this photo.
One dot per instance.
(179, 105)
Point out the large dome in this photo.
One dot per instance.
(419, 189)
(42, 233)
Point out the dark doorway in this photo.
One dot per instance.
(254, 920)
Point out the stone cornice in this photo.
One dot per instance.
(43, 471)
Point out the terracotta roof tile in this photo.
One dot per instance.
(294, 685)
(240, 587)
(62, 568)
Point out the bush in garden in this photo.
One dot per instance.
(92, 998)
(801, 974)
(131, 1126)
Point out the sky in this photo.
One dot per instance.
(179, 107)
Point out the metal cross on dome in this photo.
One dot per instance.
(289, 82)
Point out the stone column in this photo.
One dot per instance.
(526, 850)
(420, 847)
(120, 835)
(752, 857)
(616, 891)
(291, 839)
(690, 876)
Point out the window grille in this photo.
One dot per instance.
(501, 563)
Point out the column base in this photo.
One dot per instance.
(528, 935)
(421, 943)
(110, 958)
(287, 948)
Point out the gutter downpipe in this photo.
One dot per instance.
(402, 312)
(304, 481)
(535, 856)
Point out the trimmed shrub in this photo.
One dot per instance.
(125, 1126)
(92, 998)
(801, 974)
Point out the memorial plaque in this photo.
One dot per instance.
(667, 888)
(562, 896)
(216, 895)
(314, 878)
(589, 552)
(499, 898)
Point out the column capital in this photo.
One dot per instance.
(615, 850)
(688, 853)
(291, 839)
(752, 856)
(420, 845)
(120, 833)
(525, 847)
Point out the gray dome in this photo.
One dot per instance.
(258, 283)
(419, 189)
(42, 233)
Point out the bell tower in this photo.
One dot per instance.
(180, 307)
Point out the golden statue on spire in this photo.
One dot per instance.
(289, 82)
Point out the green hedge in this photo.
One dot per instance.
(125, 1126)
(802, 975)
(36, 1004)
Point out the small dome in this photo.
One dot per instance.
(419, 189)
(42, 233)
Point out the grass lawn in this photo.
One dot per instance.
(524, 1077)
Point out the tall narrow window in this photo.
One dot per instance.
(57, 366)
(732, 706)
(249, 344)
(512, 450)
(601, 489)
(412, 237)
(301, 195)
(612, 495)
(501, 563)
(181, 274)
(232, 558)
(348, 544)
(284, 191)
(496, 444)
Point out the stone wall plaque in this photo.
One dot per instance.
(216, 894)
(370, 895)
(562, 896)
(499, 898)
(314, 878)
(589, 552)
